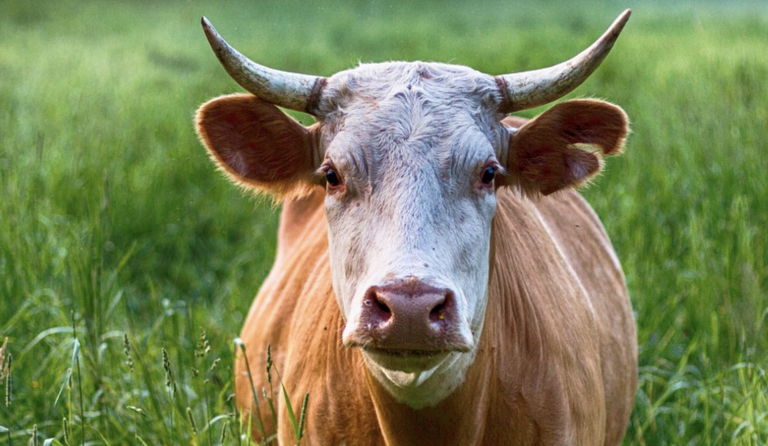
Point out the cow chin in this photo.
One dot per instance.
(418, 380)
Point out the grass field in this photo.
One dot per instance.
(114, 222)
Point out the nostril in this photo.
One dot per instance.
(439, 312)
(378, 308)
(383, 307)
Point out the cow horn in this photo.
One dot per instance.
(295, 91)
(533, 88)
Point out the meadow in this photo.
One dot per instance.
(116, 230)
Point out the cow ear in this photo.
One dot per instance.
(257, 145)
(563, 147)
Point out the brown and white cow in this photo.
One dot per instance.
(438, 280)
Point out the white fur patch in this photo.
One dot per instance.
(410, 141)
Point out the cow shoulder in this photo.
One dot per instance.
(585, 244)
(544, 322)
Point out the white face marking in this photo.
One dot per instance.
(410, 143)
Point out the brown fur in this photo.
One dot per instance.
(563, 146)
(258, 145)
(548, 371)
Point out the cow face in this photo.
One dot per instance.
(409, 160)
(410, 156)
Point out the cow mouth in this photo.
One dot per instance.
(406, 360)
(409, 350)
(406, 353)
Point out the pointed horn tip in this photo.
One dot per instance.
(613, 31)
(208, 28)
(211, 34)
(589, 59)
(621, 20)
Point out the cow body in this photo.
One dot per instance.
(438, 280)
(556, 364)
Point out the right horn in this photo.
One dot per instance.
(538, 87)
(295, 91)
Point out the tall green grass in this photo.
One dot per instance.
(113, 223)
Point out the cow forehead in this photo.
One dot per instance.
(411, 111)
(370, 83)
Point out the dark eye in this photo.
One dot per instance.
(489, 173)
(332, 178)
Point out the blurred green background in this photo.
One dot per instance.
(113, 219)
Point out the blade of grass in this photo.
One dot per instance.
(79, 379)
(289, 407)
(297, 430)
(303, 415)
(259, 423)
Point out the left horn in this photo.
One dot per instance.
(533, 88)
(295, 91)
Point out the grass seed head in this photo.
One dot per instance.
(3, 349)
(9, 381)
(65, 428)
(138, 410)
(203, 346)
(127, 350)
(170, 383)
(214, 365)
(191, 421)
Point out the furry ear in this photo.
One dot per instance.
(257, 145)
(563, 147)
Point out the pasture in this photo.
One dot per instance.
(114, 225)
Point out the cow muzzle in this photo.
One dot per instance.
(408, 318)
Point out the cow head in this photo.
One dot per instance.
(410, 156)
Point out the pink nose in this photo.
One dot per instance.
(408, 314)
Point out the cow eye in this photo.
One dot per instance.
(332, 178)
(489, 173)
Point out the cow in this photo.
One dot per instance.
(438, 279)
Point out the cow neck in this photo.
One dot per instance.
(458, 419)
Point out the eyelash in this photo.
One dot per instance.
(490, 171)
(333, 178)
(488, 175)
